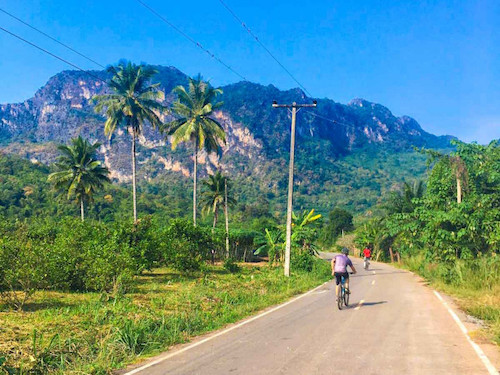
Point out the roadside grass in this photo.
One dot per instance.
(474, 285)
(92, 333)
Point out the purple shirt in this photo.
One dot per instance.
(341, 263)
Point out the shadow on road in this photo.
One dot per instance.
(373, 303)
(354, 305)
(377, 274)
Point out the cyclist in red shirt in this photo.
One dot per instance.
(367, 254)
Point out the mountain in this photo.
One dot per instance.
(346, 154)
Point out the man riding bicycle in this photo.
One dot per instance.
(367, 255)
(339, 269)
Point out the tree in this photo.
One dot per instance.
(134, 101)
(457, 165)
(79, 173)
(339, 220)
(304, 231)
(214, 195)
(194, 108)
(271, 244)
(403, 201)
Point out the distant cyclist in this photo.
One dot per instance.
(367, 255)
(339, 269)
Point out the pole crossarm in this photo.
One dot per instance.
(295, 107)
(276, 105)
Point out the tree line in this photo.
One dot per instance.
(453, 215)
(133, 102)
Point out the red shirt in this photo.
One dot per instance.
(367, 253)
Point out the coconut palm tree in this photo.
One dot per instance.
(194, 108)
(133, 102)
(213, 197)
(79, 174)
(402, 201)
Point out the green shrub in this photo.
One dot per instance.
(302, 261)
(321, 268)
(231, 266)
(187, 246)
(23, 270)
(142, 240)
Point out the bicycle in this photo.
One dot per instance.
(366, 263)
(343, 298)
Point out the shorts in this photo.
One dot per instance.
(338, 277)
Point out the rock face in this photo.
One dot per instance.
(257, 134)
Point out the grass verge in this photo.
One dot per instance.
(475, 285)
(91, 333)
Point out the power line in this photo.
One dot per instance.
(51, 54)
(52, 38)
(263, 46)
(332, 121)
(197, 44)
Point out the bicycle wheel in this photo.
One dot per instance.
(346, 298)
(340, 298)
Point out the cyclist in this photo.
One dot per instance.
(367, 254)
(339, 270)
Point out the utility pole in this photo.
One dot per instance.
(226, 217)
(294, 111)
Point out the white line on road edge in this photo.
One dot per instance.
(360, 303)
(489, 366)
(170, 355)
(373, 282)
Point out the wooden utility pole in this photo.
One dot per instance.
(227, 218)
(294, 111)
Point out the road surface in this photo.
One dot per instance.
(395, 325)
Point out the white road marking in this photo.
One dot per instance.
(374, 272)
(360, 303)
(321, 292)
(489, 366)
(170, 355)
(373, 282)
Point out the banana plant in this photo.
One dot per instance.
(271, 243)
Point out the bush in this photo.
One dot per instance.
(187, 246)
(231, 266)
(302, 261)
(23, 270)
(142, 241)
(68, 255)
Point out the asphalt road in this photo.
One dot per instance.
(399, 328)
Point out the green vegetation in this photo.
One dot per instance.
(79, 174)
(117, 290)
(339, 222)
(194, 108)
(134, 101)
(451, 232)
(213, 197)
(98, 332)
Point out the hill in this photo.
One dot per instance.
(347, 155)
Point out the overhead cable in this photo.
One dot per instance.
(52, 38)
(186, 36)
(263, 46)
(51, 54)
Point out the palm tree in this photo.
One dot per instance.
(133, 102)
(460, 171)
(215, 195)
(79, 174)
(193, 108)
(402, 201)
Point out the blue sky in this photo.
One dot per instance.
(437, 61)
